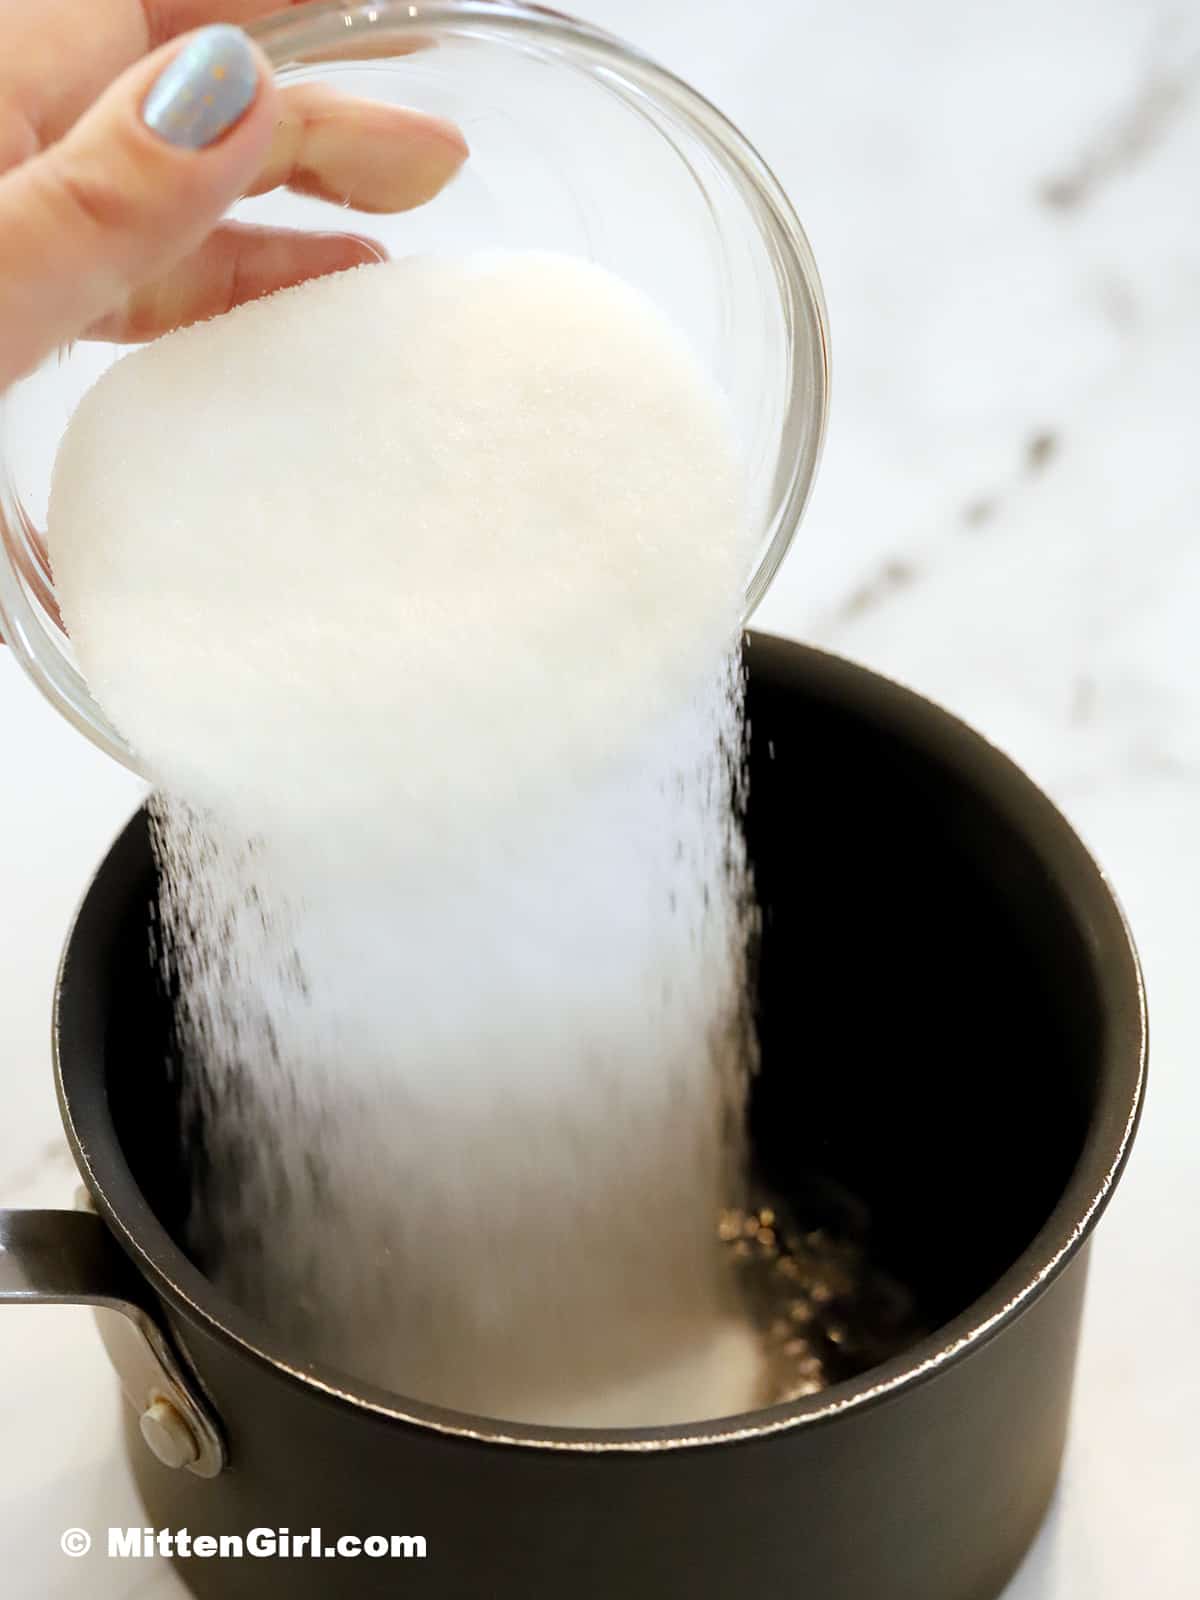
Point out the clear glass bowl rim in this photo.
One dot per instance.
(307, 29)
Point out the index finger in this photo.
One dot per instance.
(361, 153)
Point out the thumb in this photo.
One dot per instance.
(136, 184)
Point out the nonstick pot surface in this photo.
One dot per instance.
(949, 1010)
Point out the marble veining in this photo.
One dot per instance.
(1128, 137)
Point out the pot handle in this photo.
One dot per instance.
(70, 1258)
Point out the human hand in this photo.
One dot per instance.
(121, 146)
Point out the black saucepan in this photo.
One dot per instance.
(953, 1058)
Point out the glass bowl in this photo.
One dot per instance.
(578, 144)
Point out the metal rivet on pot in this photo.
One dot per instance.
(168, 1434)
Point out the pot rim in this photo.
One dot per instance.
(1094, 908)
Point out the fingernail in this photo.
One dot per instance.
(204, 90)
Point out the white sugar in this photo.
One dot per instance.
(449, 523)
(416, 589)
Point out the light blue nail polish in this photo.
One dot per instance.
(204, 90)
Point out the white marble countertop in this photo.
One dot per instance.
(1003, 204)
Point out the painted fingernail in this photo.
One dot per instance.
(204, 90)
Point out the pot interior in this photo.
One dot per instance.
(931, 1021)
